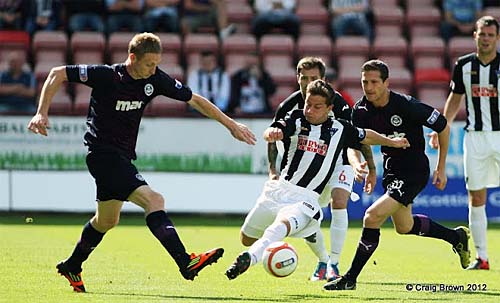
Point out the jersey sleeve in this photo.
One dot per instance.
(90, 75)
(287, 124)
(173, 88)
(358, 117)
(341, 108)
(427, 115)
(352, 135)
(457, 83)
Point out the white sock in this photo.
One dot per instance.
(478, 224)
(318, 247)
(275, 232)
(338, 232)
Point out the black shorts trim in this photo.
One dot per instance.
(115, 175)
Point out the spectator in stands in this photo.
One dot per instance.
(124, 14)
(84, 15)
(162, 15)
(460, 17)
(275, 14)
(251, 88)
(350, 17)
(13, 14)
(17, 86)
(210, 81)
(43, 15)
(331, 77)
(206, 13)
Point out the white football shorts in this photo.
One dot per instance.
(342, 177)
(281, 199)
(481, 159)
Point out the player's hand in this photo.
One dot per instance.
(39, 124)
(243, 133)
(439, 179)
(433, 140)
(360, 171)
(400, 143)
(370, 182)
(273, 134)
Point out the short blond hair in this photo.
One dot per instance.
(144, 43)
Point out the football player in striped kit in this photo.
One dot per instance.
(289, 206)
(476, 79)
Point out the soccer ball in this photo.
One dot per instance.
(280, 259)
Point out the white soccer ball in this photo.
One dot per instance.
(280, 259)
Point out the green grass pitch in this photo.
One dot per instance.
(130, 265)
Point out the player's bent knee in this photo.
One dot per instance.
(246, 240)
(371, 219)
(403, 229)
(338, 204)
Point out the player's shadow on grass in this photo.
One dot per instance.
(200, 298)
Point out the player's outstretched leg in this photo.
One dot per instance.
(341, 283)
(74, 277)
(200, 261)
(239, 266)
(462, 247)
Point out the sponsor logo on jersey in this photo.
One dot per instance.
(82, 72)
(139, 177)
(396, 120)
(433, 117)
(148, 89)
(484, 91)
(396, 135)
(125, 106)
(312, 146)
(178, 84)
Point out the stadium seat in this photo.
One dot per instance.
(82, 99)
(240, 13)
(314, 19)
(282, 92)
(387, 4)
(234, 62)
(118, 46)
(50, 47)
(355, 91)
(387, 46)
(277, 44)
(283, 75)
(238, 44)
(18, 41)
(351, 45)
(194, 44)
(383, 16)
(423, 20)
(61, 103)
(315, 45)
(171, 45)
(88, 47)
(164, 106)
(272, 60)
(173, 70)
(388, 30)
(401, 80)
(459, 46)
(351, 62)
(432, 77)
(427, 52)
(412, 4)
(434, 96)
(349, 76)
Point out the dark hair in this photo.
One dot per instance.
(376, 65)
(310, 63)
(486, 21)
(321, 88)
(144, 43)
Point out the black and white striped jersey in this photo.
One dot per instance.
(480, 85)
(341, 110)
(314, 149)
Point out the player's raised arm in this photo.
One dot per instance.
(238, 130)
(273, 134)
(40, 122)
